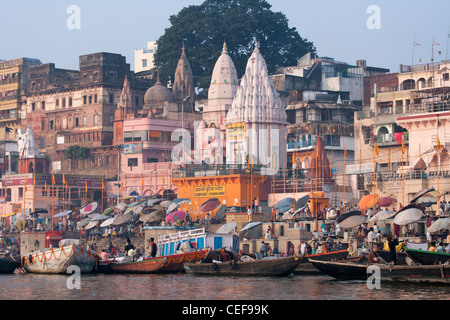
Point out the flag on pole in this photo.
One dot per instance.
(53, 179)
(376, 149)
(345, 152)
(45, 187)
(403, 147)
(26, 182)
(142, 181)
(85, 184)
(103, 184)
(438, 143)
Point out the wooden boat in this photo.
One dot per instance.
(167, 264)
(58, 260)
(427, 257)
(175, 262)
(263, 267)
(8, 264)
(394, 273)
(349, 269)
(144, 266)
(386, 256)
(306, 267)
(416, 274)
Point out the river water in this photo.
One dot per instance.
(191, 287)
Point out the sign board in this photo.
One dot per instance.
(209, 191)
(362, 168)
(236, 131)
(132, 148)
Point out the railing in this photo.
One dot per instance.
(389, 139)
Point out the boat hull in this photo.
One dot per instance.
(175, 263)
(306, 267)
(344, 269)
(8, 265)
(387, 273)
(428, 257)
(263, 267)
(145, 266)
(57, 261)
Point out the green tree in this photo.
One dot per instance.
(203, 28)
(76, 152)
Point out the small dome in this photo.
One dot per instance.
(157, 95)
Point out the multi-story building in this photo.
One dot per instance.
(321, 96)
(411, 105)
(144, 59)
(13, 85)
(75, 108)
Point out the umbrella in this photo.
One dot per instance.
(129, 210)
(121, 206)
(407, 215)
(283, 209)
(123, 218)
(302, 202)
(181, 201)
(172, 207)
(369, 201)
(227, 228)
(156, 216)
(353, 221)
(84, 222)
(109, 210)
(210, 205)
(346, 215)
(107, 222)
(386, 201)
(89, 208)
(91, 225)
(152, 202)
(382, 215)
(439, 224)
(166, 203)
(99, 217)
(138, 209)
(177, 215)
(284, 203)
(133, 204)
(251, 225)
(420, 194)
(62, 214)
(426, 201)
(221, 212)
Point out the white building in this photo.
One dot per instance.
(144, 59)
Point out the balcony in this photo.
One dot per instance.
(392, 139)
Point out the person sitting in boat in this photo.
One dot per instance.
(263, 249)
(373, 255)
(128, 247)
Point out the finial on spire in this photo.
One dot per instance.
(256, 45)
(158, 81)
(224, 49)
(183, 51)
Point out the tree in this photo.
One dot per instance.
(203, 29)
(76, 152)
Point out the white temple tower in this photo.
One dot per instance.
(257, 120)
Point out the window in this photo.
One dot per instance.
(144, 63)
(63, 102)
(111, 98)
(90, 99)
(43, 125)
(21, 192)
(57, 102)
(50, 125)
(77, 122)
(152, 160)
(445, 76)
(84, 121)
(33, 106)
(95, 98)
(70, 101)
(133, 162)
(84, 100)
(96, 119)
(43, 105)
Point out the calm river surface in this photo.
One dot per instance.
(190, 287)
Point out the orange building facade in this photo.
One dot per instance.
(231, 190)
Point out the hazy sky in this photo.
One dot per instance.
(338, 29)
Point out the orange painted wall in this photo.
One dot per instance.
(232, 190)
